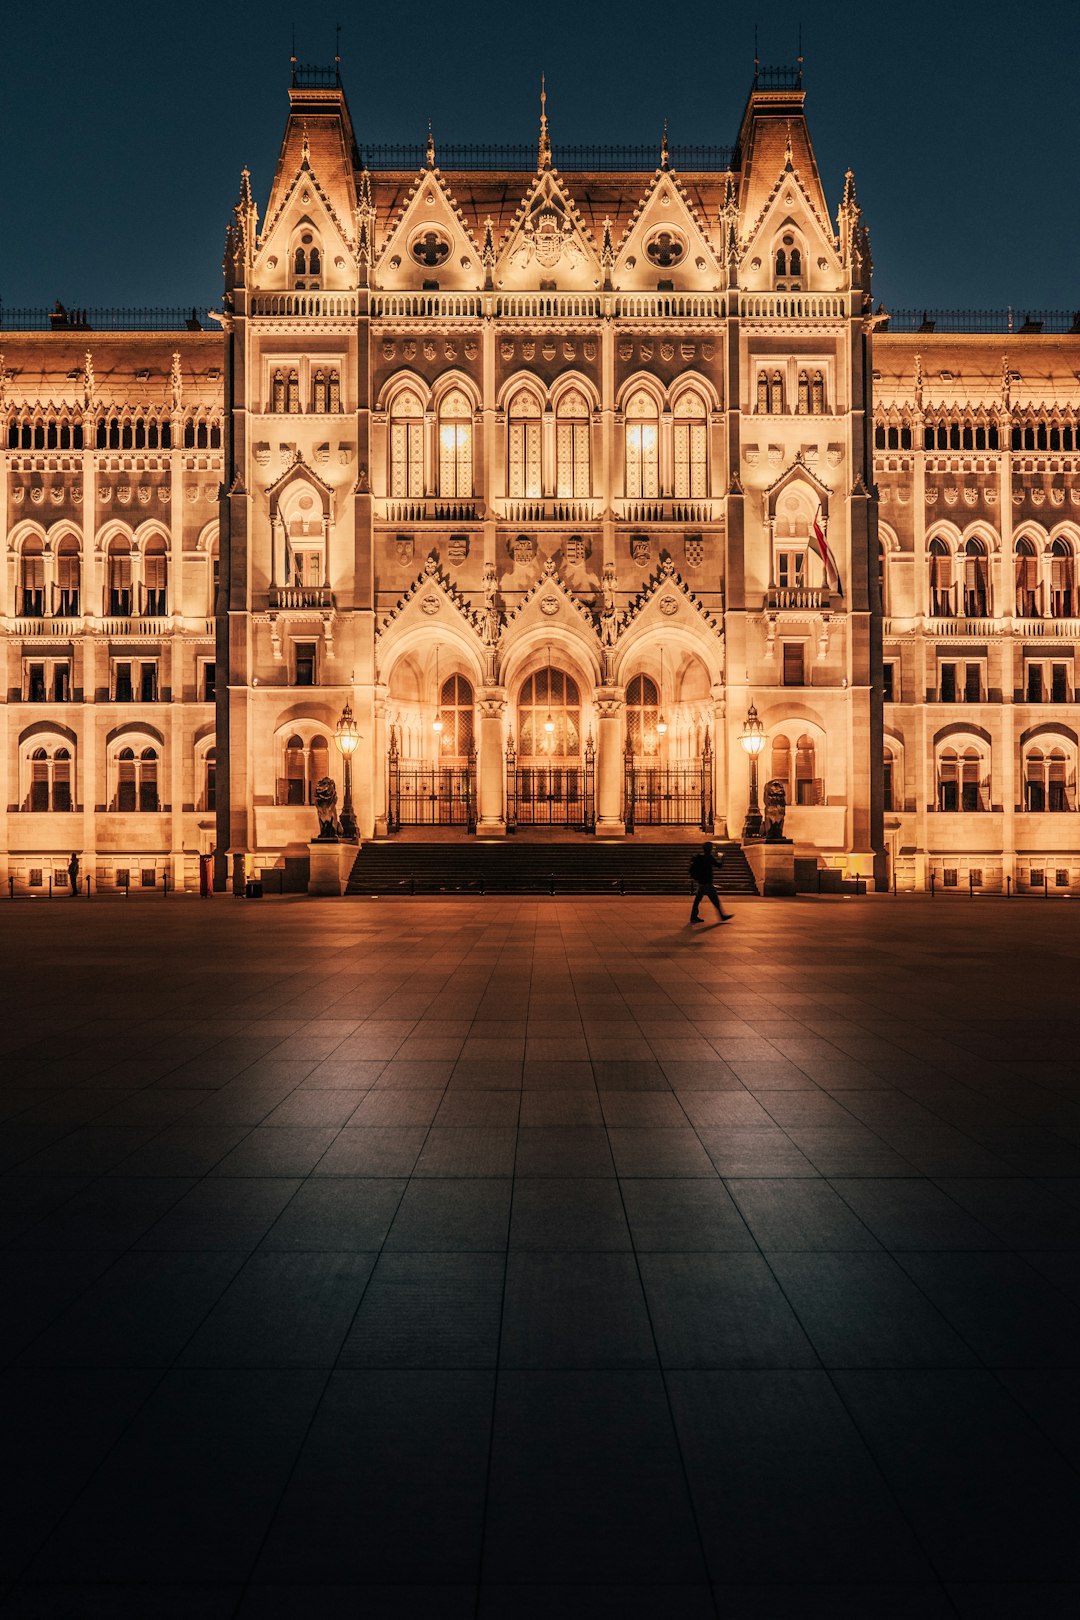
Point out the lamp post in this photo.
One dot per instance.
(752, 738)
(347, 737)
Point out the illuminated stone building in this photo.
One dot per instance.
(520, 455)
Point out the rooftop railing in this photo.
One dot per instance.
(101, 319)
(1009, 319)
(521, 158)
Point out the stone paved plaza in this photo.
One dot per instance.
(526, 1258)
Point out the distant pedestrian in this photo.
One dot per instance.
(701, 870)
(73, 873)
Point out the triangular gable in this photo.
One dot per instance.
(790, 203)
(551, 603)
(547, 241)
(797, 472)
(667, 601)
(298, 471)
(428, 240)
(304, 200)
(431, 596)
(666, 240)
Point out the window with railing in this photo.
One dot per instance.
(1062, 580)
(49, 778)
(455, 445)
(1027, 580)
(942, 595)
(691, 447)
(68, 572)
(136, 780)
(962, 780)
(573, 472)
(155, 578)
(976, 580)
(32, 581)
(407, 445)
(1049, 780)
(524, 445)
(642, 447)
(305, 763)
(118, 598)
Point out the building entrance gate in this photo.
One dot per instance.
(668, 795)
(561, 794)
(423, 794)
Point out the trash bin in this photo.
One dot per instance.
(253, 889)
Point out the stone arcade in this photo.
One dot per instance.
(524, 463)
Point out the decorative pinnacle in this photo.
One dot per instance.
(544, 155)
(788, 163)
(430, 150)
(664, 149)
(305, 151)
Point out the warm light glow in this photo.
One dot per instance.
(346, 733)
(549, 725)
(451, 437)
(752, 736)
(661, 725)
(436, 724)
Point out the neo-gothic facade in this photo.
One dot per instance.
(525, 467)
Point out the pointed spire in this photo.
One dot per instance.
(88, 381)
(543, 160)
(429, 151)
(487, 253)
(3, 383)
(305, 151)
(665, 152)
(788, 163)
(607, 254)
(918, 380)
(1006, 384)
(176, 381)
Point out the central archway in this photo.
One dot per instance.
(550, 777)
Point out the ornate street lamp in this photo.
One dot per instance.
(752, 738)
(437, 723)
(347, 737)
(661, 724)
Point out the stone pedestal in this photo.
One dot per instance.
(491, 763)
(773, 866)
(609, 762)
(330, 866)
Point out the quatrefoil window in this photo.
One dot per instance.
(430, 248)
(664, 248)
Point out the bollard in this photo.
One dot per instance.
(971, 886)
(11, 888)
(894, 882)
(50, 886)
(88, 885)
(932, 876)
(165, 885)
(1008, 887)
(553, 883)
(1046, 884)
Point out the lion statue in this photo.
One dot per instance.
(775, 806)
(326, 805)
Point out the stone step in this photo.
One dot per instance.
(505, 866)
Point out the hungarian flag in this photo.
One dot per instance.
(828, 561)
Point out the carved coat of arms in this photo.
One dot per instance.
(405, 548)
(458, 549)
(641, 549)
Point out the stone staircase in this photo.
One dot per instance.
(512, 866)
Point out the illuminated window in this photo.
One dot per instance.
(549, 695)
(691, 447)
(456, 710)
(523, 477)
(573, 477)
(455, 445)
(642, 715)
(407, 445)
(642, 447)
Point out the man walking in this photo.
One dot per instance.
(701, 870)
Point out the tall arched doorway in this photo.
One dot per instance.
(550, 773)
(667, 759)
(431, 774)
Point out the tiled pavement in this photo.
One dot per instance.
(435, 1259)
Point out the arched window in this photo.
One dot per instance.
(803, 402)
(817, 394)
(307, 260)
(523, 446)
(889, 782)
(776, 394)
(455, 444)
(691, 447)
(573, 471)
(1027, 580)
(642, 714)
(407, 445)
(334, 399)
(278, 391)
(318, 393)
(882, 577)
(781, 262)
(963, 779)
(456, 713)
(976, 580)
(118, 578)
(642, 447)
(549, 696)
(1049, 780)
(136, 786)
(210, 779)
(761, 404)
(780, 764)
(155, 577)
(318, 764)
(809, 789)
(295, 778)
(49, 778)
(942, 596)
(795, 262)
(1062, 580)
(32, 580)
(292, 393)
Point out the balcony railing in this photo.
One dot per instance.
(101, 319)
(549, 510)
(293, 597)
(53, 628)
(784, 598)
(664, 511)
(309, 305)
(1009, 319)
(676, 306)
(431, 510)
(793, 306)
(962, 629)
(426, 305)
(521, 159)
(565, 306)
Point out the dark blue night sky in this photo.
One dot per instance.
(125, 127)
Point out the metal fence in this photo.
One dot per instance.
(102, 319)
(1010, 319)
(521, 158)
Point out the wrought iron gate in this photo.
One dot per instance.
(551, 794)
(423, 794)
(668, 795)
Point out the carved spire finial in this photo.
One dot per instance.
(918, 380)
(487, 253)
(788, 164)
(544, 154)
(176, 382)
(305, 150)
(88, 380)
(664, 149)
(430, 149)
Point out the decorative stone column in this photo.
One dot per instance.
(719, 739)
(609, 761)
(373, 812)
(490, 762)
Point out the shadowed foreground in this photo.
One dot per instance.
(516, 1258)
